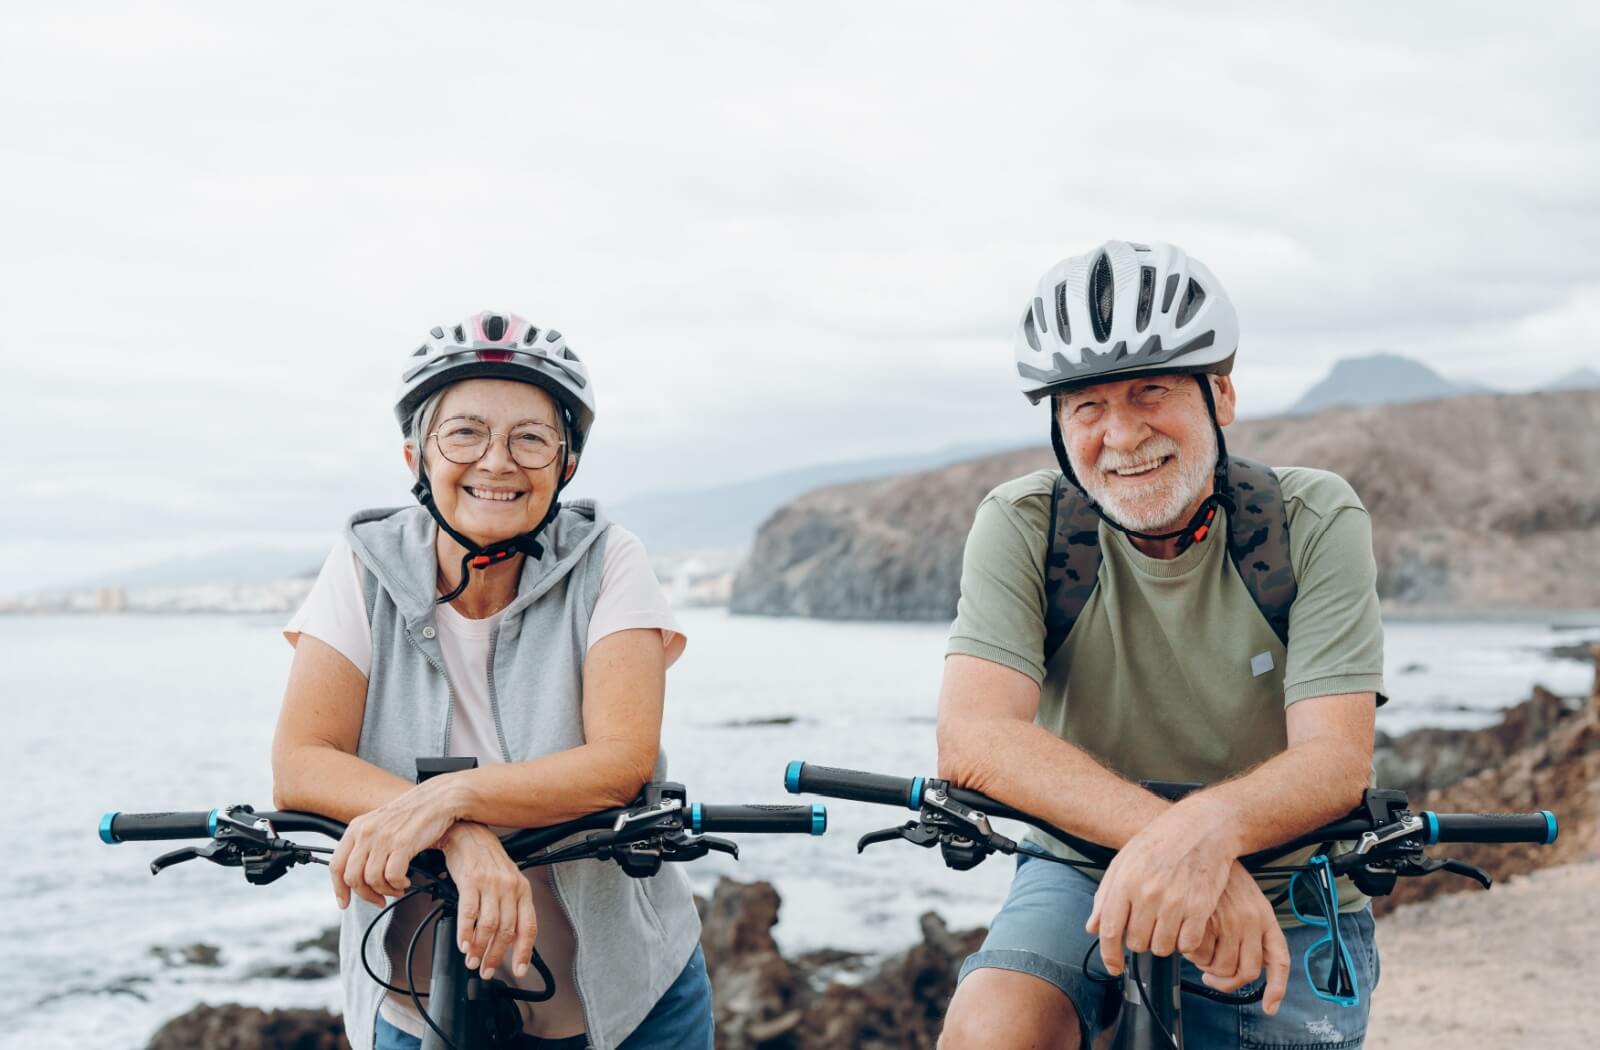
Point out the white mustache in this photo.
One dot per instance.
(1149, 451)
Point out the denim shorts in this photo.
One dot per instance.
(681, 1018)
(1039, 931)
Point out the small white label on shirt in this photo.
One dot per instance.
(1260, 664)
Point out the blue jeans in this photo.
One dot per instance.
(680, 1020)
(1039, 931)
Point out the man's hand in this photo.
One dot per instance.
(1242, 935)
(1163, 886)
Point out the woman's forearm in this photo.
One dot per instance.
(321, 779)
(550, 789)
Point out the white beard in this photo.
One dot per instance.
(1159, 504)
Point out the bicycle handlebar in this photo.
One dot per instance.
(117, 827)
(802, 777)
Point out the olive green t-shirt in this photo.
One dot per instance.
(1171, 672)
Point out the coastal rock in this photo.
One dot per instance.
(1559, 771)
(235, 1027)
(1484, 501)
(764, 1000)
(1431, 758)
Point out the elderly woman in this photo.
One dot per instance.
(496, 622)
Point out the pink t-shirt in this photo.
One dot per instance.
(335, 612)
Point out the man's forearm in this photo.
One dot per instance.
(1026, 766)
(1290, 794)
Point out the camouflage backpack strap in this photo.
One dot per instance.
(1258, 541)
(1071, 562)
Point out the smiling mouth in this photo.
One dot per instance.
(1139, 470)
(494, 495)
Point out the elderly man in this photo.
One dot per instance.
(1158, 611)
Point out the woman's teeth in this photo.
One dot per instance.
(494, 496)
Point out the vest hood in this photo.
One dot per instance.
(397, 545)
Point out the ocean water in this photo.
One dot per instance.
(176, 712)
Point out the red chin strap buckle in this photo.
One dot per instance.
(1205, 526)
(483, 561)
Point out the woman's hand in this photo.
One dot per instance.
(377, 847)
(495, 909)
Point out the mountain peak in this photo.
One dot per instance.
(1380, 378)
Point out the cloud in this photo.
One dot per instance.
(776, 236)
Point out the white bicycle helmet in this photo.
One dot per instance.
(492, 345)
(1121, 310)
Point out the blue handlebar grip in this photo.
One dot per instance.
(819, 818)
(791, 777)
(694, 817)
(156, 827)
(1550, 821)
(1433, 828)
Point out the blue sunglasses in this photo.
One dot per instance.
(1328, 967)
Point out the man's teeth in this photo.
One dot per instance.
(497, 497)
(1142, 468)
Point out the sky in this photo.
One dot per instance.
(779, 235)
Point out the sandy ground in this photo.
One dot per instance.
(1516, 967)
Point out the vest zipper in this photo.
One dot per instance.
(577, 989)
(555, 887)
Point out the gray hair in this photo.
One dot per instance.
(422, 420)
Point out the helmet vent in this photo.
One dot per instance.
(460, 334)
(552, 336)
(1171, 290)
(1038, 312)
(422, 351)
(1193, 296)
(1147, 296)
(532, 334)
(1030, 331)
(1063, 328)
(1102, 298)
(436, 332)
(566, 352)
(494, 328)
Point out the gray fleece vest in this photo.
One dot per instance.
(634, 936)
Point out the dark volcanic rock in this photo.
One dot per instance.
(197, 954)
(1425, 759)
(764, 1000)
(234, 1027)
(901, 1005)
(1558, 771)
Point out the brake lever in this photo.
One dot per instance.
(692, 847)
(222, 853)
(1419, 866)
(913, 831)
(1471, 871)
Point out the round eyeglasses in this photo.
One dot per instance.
(531, 445)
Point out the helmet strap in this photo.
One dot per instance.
(1199, 525)
(477, 557)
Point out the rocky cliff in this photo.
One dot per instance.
(1480, 502)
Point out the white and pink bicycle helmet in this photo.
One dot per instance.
(490, 345)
